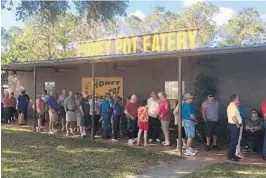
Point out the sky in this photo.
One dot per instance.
(141, 9)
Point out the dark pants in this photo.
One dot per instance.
(96, 122)
(115, 126)
(26, 114)
(7, 114)
(233, 133)
(13, 113)
(154, 128)
(132, 128)
(123, 125)
(257, 138)
(2, 112)
(106, 123)
(62, 116)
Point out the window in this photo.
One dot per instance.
(171, 89)
(49, 86)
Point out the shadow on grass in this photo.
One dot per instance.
(27, 154)
(230, 171)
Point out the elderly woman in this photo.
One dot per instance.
(254, 128)
(154, 122)
(164, 116)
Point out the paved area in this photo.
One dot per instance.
(175, 170)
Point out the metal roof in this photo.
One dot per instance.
(138, 56)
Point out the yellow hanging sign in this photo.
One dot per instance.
(103, 85)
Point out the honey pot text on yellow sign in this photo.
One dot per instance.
(169, 41)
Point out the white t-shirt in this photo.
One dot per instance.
(153, 107)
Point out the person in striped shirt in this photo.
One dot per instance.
(254, 128)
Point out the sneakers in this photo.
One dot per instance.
(189, 152)
(130, 141)
(166, 143)
(51, 133)
(114, 140)
(150, 140)
(158, 140)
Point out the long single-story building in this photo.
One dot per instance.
(227, 70)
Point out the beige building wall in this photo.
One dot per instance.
(243, 74)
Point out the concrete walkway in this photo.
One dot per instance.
(175, 170)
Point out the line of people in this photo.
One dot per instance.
(150, 117)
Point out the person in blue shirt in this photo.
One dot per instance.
(106, 112)
(117, 114)
(22, 106)
(188, 116)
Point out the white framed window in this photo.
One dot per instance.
(171, 89)
(49, 86)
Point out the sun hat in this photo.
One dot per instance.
(188, 96)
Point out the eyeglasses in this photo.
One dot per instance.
(211, 96)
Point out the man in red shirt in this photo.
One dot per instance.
(263, 107)
(131, 112)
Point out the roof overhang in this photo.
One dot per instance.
(132, 57)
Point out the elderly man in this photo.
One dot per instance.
(131, 111)
(188, 116)
(234, 124)
(70, 109)
(53, 111)
(62, 114)
(210, 114)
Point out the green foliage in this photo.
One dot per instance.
(247, 27)
(50, 10)
(200, 16)
(31, 155)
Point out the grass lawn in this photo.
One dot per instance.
(226, 170)
(27, 154)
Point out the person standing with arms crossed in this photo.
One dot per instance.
(210, 114)
(234, 124)
(70, 107)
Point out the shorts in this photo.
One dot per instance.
(144, 126)
(211, 128)
(71, 116)
(189, 126)
(53, 115)
(41, 115)
(22, 111)
(84, 120)
(182, 131)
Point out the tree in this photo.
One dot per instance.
(246, 28)
(50, 10)
(159, 21)
(200, 16)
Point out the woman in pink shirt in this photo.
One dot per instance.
(7, 108)
(164, 116)
(40, 108)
